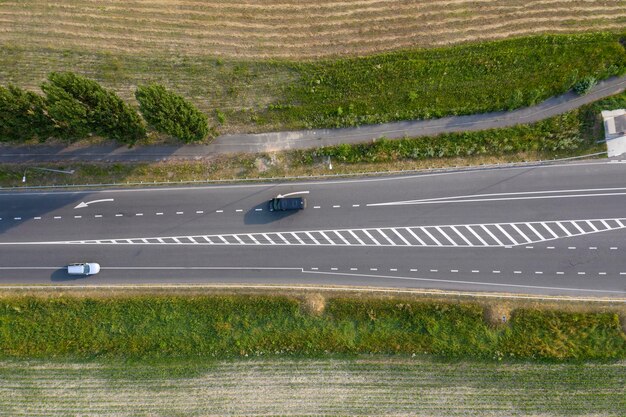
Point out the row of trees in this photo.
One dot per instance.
(74, 107)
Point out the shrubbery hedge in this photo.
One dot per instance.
(170, 113)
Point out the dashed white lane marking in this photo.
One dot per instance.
(529, 247)
(593, 248)
(495, 272)
(393, 269)
(550, 247)
(219, 211)
(336, 206)
(613, 248)
(314, 269)
(475, 271)
(560, 272)
(373, 269)
(118, 215)
(413, 270)
(199, 211)
(258, 209)
(354, 269)
(239, 210)
(581, 273)
(434, 270)
(98, 215)
(17, 218)
(571, 247)
(78, 217)
(316, 206)
(333, 269)
(622, 273)
(538, 272)
(517, 272)
(356, 205)
(57, 217)
(159, 214)
(139, 214)
(180, 212)
(35, 218)
(601, 273)
(454, 270)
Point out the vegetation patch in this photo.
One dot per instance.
(234, 326)
(374, 385)
(265, 95)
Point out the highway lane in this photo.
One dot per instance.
(515, 230)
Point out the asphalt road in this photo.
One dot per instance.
(547, 230)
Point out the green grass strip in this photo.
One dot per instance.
(231, 326)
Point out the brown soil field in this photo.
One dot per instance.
(297, 29)
(373, 386)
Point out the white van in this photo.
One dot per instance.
(88, 268)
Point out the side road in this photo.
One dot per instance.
(275, 141)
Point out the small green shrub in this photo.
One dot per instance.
(170, 113)
(104, 112)
(23, 115)
(585, 85)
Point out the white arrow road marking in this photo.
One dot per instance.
(83, 204)
(294, 193)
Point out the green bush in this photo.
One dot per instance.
(585, 85)
(23, 115)
(105, 113)
(70, 116)
(170, 113)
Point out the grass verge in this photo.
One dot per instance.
(258, 95)
(238, 325)
(571, 134)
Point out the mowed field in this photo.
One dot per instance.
(290, 28)
(373, 385)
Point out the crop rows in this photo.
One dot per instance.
(291, 28)
(373, 386)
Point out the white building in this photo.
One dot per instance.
(615, 131)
